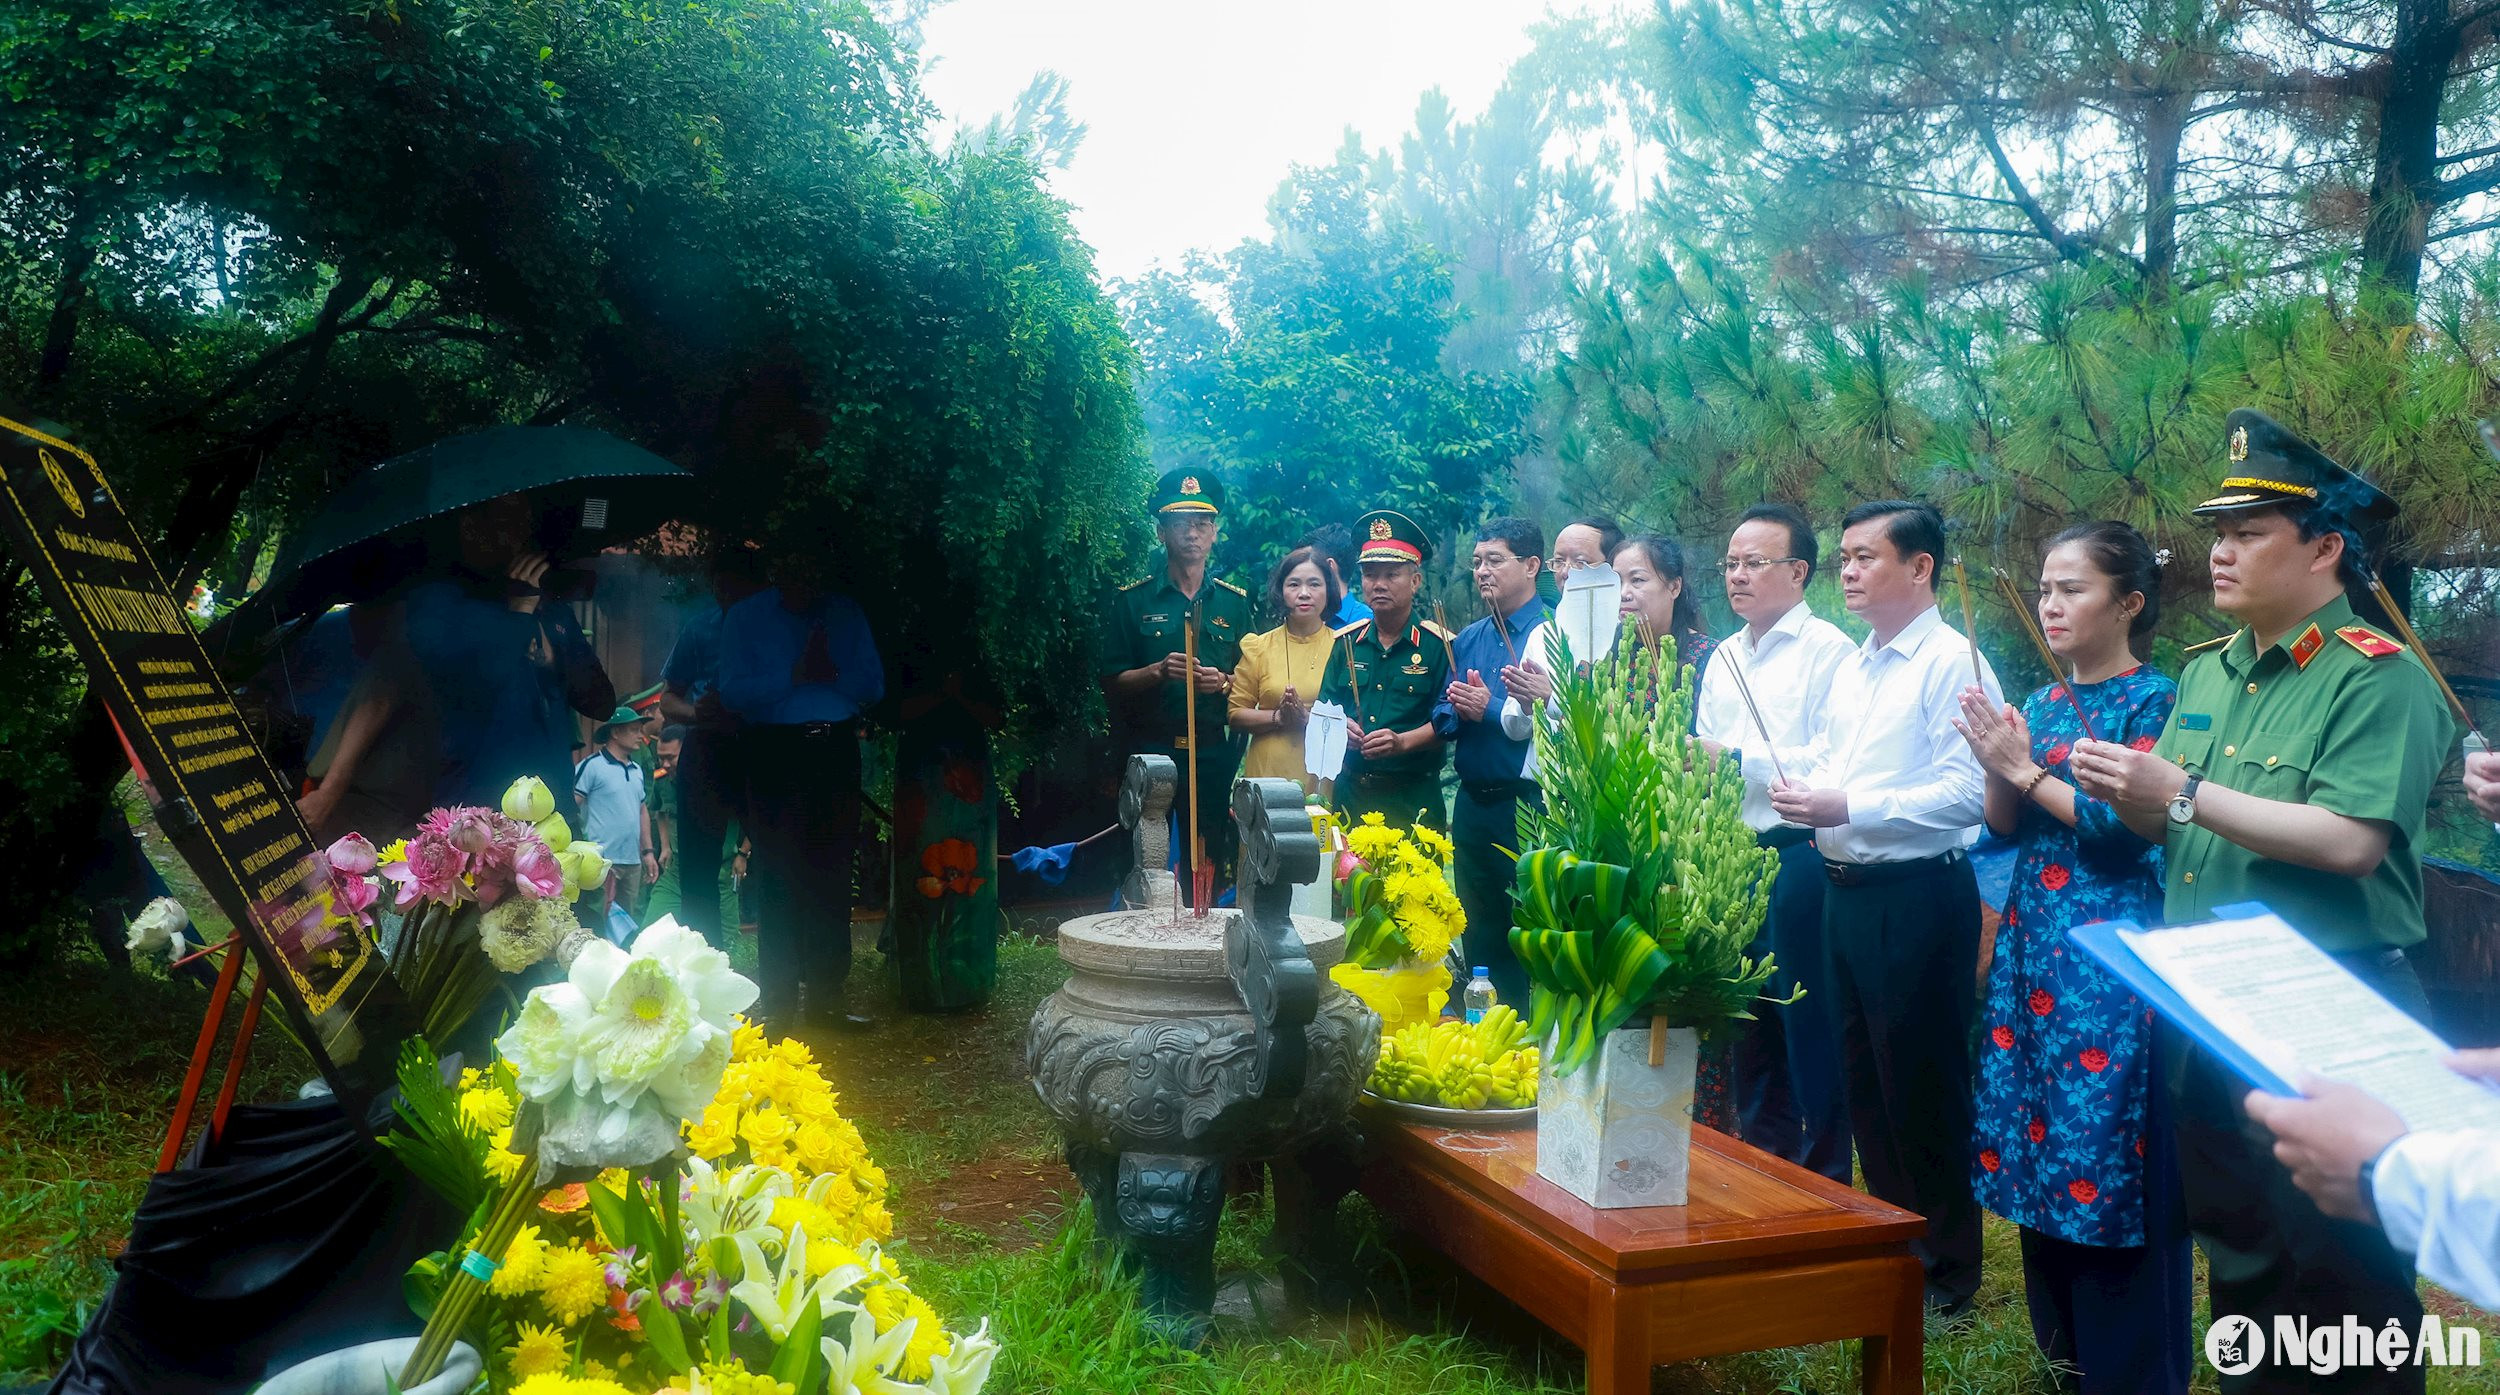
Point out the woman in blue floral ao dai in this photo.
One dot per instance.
(2068, 1144)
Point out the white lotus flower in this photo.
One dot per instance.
(860, 1365)
(655, 1022)
(555, 833)
(159, 927)
(528, 800)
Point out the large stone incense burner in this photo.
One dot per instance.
(1181, 1044)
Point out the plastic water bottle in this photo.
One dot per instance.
(1479, 998)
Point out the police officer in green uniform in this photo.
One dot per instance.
(1144, 665)
(1387, 672)
(2294, 773)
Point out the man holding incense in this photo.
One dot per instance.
(1150, 625)
(1789, 1099)
(1387, 672)
(1895, 797)
(2295, 772)
(1488, 655)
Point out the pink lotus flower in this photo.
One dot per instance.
(356, 896)
(434, 871)
(352, 855)
(473, 831)
(536, 870)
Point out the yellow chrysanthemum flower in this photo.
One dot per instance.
(572, 1284)
(523, 1265)
(747, 1041)
(1435, 842)
(502, 1163)
(596, 1373)
(486, 1110)
(888, 1303)
(794, 1051)
(540, 1350)
(928, 1340)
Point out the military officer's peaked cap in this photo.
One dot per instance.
(2271, 465)
(1385, 535)
(1188, 491)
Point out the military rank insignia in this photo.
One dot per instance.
(2369, 641)
(2307, 646)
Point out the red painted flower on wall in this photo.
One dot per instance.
(963, 780)
(950, 866)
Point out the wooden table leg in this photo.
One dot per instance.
(1618, 1348)
(1896, 1364)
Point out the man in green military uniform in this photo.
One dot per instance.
(2294, 772)
(1387, 672)
(1145, 666)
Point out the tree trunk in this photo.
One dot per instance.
(2165, 122)
(78, 253)
(2404, 180)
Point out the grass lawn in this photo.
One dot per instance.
(989, 1219)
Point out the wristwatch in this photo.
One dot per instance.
(2183, 804)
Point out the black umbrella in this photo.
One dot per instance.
(588, 489)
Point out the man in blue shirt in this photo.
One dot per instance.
(709, 776)
(1490, 763)
(797, 667)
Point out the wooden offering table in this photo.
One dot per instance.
(1766, 1254)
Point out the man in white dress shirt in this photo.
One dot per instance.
(1895, 795)
(1789, 1096)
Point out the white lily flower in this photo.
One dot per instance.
(962, 1369)
(861, 1364)
(728, 1204)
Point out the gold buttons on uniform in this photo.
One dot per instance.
(2230, 750)
(2271, 759)
(2252, 687)
(2191, 879)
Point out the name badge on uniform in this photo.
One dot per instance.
(1158, 619)
(2196, 721)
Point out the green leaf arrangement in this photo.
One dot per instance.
(1641, 887)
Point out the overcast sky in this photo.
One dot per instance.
(1196, 108)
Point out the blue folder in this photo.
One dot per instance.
(2100, 940)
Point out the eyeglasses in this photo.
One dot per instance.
(1564, 564)
(1733, 565)
(1486, 564)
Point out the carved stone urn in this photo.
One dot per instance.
(1181, 1044)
